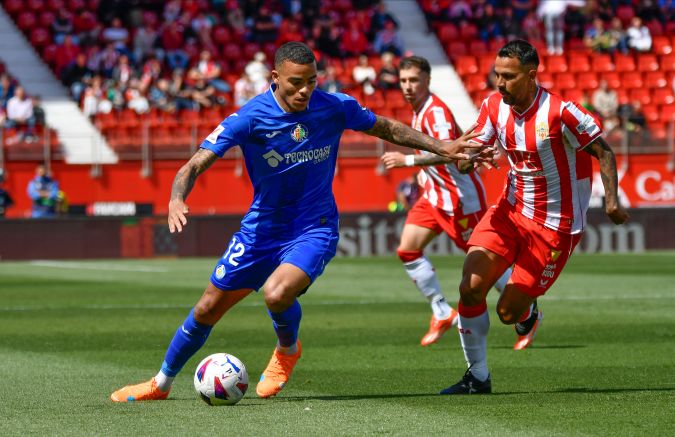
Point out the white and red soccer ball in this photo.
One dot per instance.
(221, 379)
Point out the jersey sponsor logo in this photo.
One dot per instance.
(213, 136)
(542, 130)
(299, 133)
(463, 222)
(273, 134)
(586, 126)
(273, 158)
(314, 155)
(554, 255)
(220, 272)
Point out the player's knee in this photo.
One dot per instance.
(278, 297)
(471, 291)
(204, 311)
(506, 315)
(407, 256)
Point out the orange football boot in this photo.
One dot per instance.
(277, 373)
(527, 339)
(145, 391)
(438, 327)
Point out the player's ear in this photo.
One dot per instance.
(275, 77)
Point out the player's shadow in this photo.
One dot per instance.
(356, 397)
(609, 390)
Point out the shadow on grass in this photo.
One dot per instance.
(550, 346)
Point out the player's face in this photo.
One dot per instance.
(295, 85)
(514, 80)
(414, 85)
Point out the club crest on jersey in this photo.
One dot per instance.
(299, 133)
(542, 130)
(220, 272)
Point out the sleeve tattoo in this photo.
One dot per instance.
(187, 175)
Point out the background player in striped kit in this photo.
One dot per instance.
(541, 215)
(453, 200)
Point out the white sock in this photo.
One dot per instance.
(421, 271)
(163, 382)
(503, 280)
(473, 333)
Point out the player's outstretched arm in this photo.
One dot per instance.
(610, 180)
(182, 185)
(398, 159)
(403, 135)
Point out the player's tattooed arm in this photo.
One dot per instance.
(403, 135)
(182, 185)
(398, 159)
(610, 180)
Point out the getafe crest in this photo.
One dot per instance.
(542, 130)
(299, 133)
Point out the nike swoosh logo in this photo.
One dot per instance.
(273, 134)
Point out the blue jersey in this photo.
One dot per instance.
(290, 158)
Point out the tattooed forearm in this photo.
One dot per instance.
(398, 133)
(187, 175)
(424, 160)
(610, 180)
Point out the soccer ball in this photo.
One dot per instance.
(221, 379)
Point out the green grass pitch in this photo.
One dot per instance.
(603, 362)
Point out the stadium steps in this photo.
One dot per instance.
(444, 79)
(76, 132)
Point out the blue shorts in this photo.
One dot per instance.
(248, 262)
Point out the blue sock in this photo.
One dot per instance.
(287, 324)
(188, 339)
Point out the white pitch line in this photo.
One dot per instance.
(319, 303)
(87, 266)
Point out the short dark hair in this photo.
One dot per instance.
(415, 61)
(295, 52)
(521, 50)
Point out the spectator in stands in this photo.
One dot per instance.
(87, 27)
(135, 98)
(144, 43)
(20, 114)
(203, 94)
(160, 96)
(639, 37)
(243, 90)
(201, 25)
(209, 70)
(530, 26)
(330, 82)
(6, 90)
(460, 10)
(180, 93)
(62, 26)
(43, 191)
(38, 111)
(116, 34)
(329, 41)
(264, 29)
(597, 38)
(172, 10)
(77, 76)
(617, 36)
(605, 100)
(172, 44)
(258, 73)
(387, 77)
(290, 30)
(511, 27)
(94, 95)
(236, 19)
(152, 70)
(123, 71)
(5, 199)
(65, 54)
(353, 41)
(575, 20)
(552, 13)
(388, 40)
(489, 24)
(379, 20)
(364, 75)
(108, 60)
(634, 117)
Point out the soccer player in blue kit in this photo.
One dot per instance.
(289, 136)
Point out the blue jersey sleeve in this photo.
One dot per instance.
(357, 117)
(230, 132)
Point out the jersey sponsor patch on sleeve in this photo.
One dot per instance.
(213, 136)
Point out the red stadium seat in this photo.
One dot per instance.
(55, 5)
(478, 48)
(622, 96)
(232, 52)
(250, 49)
(601, 63)
(467, 31)
(466, 65)
(573, 95)
(545, 80)
(475, 83)
(13, 7)
(455, 49)
(624, 63)
(447, 32)
(556, 64)
(74, 5)
(641, 95)
(49, 53)
(667, 113)
(587, 81)
(625, 14)
(36, 5)
(661, 45)
(26, 20)
(222, 35)
(655, 79)
(631, 80)
(613, 80)
(565, 81)
(647, 62)
(668, 63)
(486, 63)
(655, 28)
(651, 113)
(579, 63)
(46, 19)
(40, 37)
(663, 96)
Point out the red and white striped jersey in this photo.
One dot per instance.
(547, 182)
(445, 187)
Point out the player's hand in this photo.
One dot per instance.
(177, 212)
(393, 160)
(486, 158)
(460, 148)
(617, 214)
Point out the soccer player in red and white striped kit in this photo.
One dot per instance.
(453, 200)
(541, 215)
